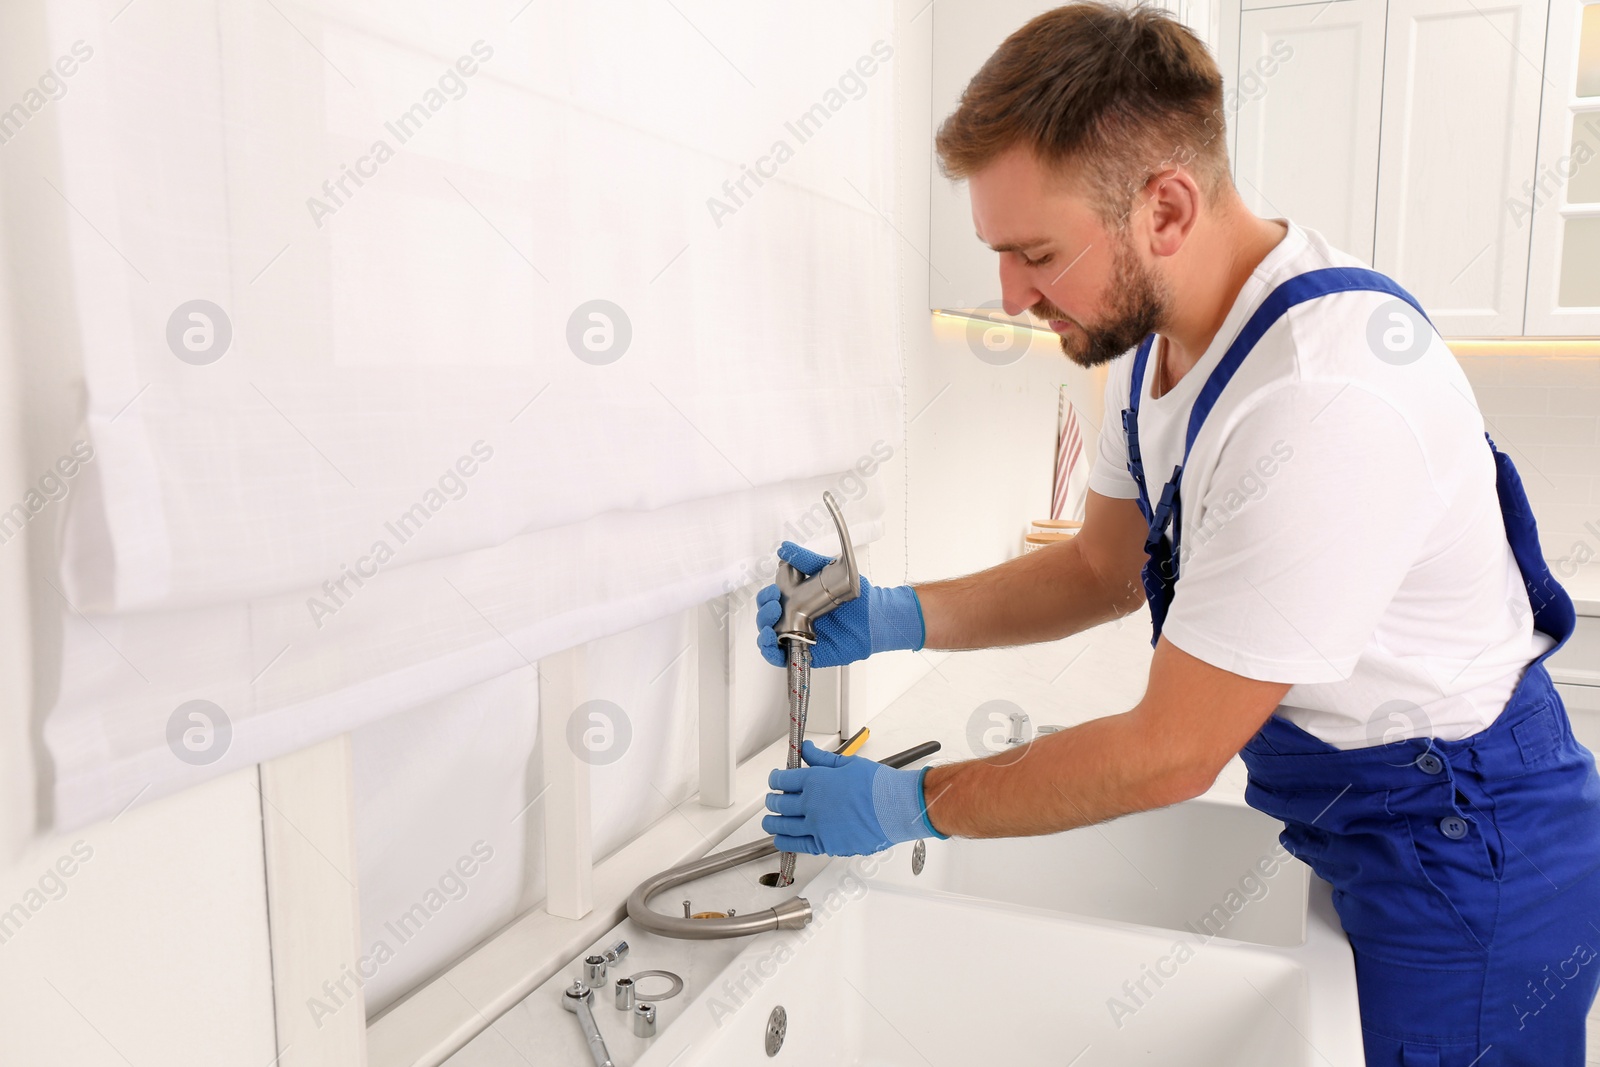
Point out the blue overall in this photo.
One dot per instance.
(1466, 873)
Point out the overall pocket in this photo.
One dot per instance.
(1456, 860)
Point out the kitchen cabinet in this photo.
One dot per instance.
(1583, 709)
(1459, 137)
(1308, 90)
(1403, 131)
(1576, 671)
(1560, 202)
(1441, 141)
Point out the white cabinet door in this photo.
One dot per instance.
(1562, 201)
(1308, 95)
(1460, 127)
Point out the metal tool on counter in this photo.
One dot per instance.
(854, 742)
(674, 987)
(594, 972)
(804, 599)
(595, 966)
(1018, 732)
(579, 999)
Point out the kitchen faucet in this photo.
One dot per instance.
(804, 599)
(790, 914)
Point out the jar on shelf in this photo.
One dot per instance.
(1053, 526)
(1039, 540)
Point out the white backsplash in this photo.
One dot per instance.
(1544, 411)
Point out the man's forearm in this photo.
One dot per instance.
(1042, 595)
(1086, 774)
(1170, 747)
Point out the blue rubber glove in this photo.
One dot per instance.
(876, 621)
(845, 805)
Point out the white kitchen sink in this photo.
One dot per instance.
(1084, 948)
(1214, 868)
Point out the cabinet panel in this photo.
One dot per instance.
(1309, 84)
(1576, 670)
(1583, 708)
(1460, 121)
(1561, 204)
(1578, 661)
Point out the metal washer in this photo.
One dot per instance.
(641, 997)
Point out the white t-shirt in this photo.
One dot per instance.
(1340, 525)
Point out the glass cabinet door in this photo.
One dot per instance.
(1562, 201)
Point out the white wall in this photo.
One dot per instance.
(975, 468)
(980, 439)
(156, 951)
(142, 939)
(1544, 411)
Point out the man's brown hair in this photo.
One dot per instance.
(1116, 94)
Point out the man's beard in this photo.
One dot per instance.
(1139, 305)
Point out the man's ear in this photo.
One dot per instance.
(1171, 200)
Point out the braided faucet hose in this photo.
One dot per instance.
(799, 703)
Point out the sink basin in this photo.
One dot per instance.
(1209, 868)
(894, 976)
(1088, 948)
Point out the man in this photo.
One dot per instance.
(1332, 538)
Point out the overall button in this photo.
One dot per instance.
(1453, 826)
(1428, 763)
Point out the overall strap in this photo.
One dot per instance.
(1130, 424)
(1160, 573)
(1296, 290)
(1140, 357)
(1553, 611)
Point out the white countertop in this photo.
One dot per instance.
(538, 1031)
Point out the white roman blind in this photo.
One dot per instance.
(422, 340)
